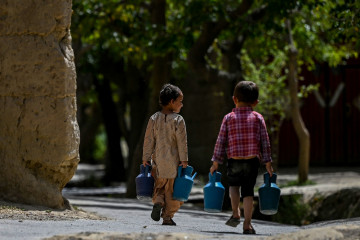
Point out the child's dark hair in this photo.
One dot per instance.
(168, 92)
(246, 91)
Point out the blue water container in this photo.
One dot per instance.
(144, 183)
(214, 193)
(269, 195)
(183, 183)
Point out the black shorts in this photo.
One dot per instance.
(243, 173)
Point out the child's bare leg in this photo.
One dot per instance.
(248, 208)
(235, 200)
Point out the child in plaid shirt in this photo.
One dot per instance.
(244, 139)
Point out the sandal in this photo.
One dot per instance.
(169, 222)
(233, 222)
(249, 231)
(155, 214)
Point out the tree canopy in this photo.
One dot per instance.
(126, 50)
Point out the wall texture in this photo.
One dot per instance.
(39, 135)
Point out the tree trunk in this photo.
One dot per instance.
(114, 170)
(39, 134)
(88, 131)
(159, 76)
(300, 128)
(207, 93)
(138, 96)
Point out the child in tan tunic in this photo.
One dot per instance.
(165, 143)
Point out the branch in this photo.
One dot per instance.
(211, 30)
(298, 123)
(288, 26)
(257, 14)
(242, 9)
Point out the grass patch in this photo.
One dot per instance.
(3, 207)
(297, 183)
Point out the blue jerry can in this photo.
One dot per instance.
(183, 183)
(269, 195)
(214, 193)
(144, 183)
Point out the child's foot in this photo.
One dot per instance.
(250, 230)
(169, 222)
(233, 222)
(155, 214)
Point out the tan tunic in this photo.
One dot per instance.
(165, 143)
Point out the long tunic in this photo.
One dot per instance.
(165, 143)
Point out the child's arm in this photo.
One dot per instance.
(146, 163)
(181, 141)
(265, 142)
(265, 147)
(184, 164)
(214, 167)
(219, 150)
(269, 168)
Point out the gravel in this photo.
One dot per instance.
(23, 212)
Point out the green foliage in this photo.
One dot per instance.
(320, 34)
(292, 210)
(118, 28)
(297, 183)
(217, 62)
(115, 36)
(323, 31)
(273, 98)
(306, 90)
(100, 145)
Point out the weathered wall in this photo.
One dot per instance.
(39, 135)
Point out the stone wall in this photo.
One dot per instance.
(39, 135)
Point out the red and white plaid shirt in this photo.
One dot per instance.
(242, 134)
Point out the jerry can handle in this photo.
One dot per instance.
(179, 171)
(212, 177)
(147, 170)
(267, 179)
(273, 178)
(142, 170)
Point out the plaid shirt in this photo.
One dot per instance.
(242, 134)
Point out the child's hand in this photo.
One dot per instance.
(269, 168)
(184, 164)
(214, 167)
(146, 163)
